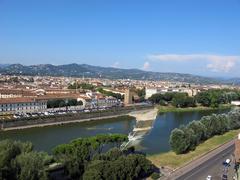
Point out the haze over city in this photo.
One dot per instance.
(197, 37)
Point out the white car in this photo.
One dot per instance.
(228, 161)
(209, 177)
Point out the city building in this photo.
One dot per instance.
(22, 105)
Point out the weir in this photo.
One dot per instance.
(144, 124)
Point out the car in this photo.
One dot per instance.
(209, 177)
(227, 162)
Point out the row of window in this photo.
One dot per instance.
(22, 108)
(23, 104)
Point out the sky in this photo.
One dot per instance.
(198, 37)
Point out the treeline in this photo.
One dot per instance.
(56, 103)
(109, 93)
(92, 158)
(84, 86)
(215, 97)
(176, 99)
(186, 138)
(209, 98)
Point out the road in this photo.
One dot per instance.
(209, 164)
(211, 167)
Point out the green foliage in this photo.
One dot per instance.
(215, 97)
(109, 93)
(19, 161)
(234, 119)
(56, 103)
(31, 166)
(184, 139)
(182, 100)
(79, 152)
(133, 166)
(9, 150)
(156, 98)
(141, 94)
(210, 98)
(199, 130)
(84, 86)
(179, 141)
(81, 158)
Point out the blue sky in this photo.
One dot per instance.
(198, 37)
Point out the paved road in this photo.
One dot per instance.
(211, 167)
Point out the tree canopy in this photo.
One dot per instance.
(187, 137)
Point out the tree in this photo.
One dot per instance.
(199, 130)
(133, 166)
(156, 98)
(109, 93)
(9, 150)
(79, 152)
(179, 141)
(224, 123)
(31, 166)
(85, 86)
(190, 136)
(182, 100)
(234, 119)
(203, 98)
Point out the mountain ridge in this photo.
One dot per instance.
(80, 70)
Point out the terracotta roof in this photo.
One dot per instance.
(17, 100)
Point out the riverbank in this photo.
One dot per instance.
(68, 118)
(69, 122)
(174, 161)
(165, 109)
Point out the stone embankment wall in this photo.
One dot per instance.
(83, 116)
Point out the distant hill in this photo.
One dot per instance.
(80, 70)
(4, 65)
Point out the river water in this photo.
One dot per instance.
(154, 141)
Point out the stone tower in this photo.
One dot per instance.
(128, 97)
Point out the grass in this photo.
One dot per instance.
(171, 160)
(164, 109)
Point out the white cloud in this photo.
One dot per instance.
(215, 63)
(146, 65)
(116, 64)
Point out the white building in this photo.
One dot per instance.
(152, 91)
(22, 105)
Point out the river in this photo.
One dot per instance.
(154, 141)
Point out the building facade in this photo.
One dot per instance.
(22, 105)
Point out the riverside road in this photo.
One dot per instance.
(213, 167)
(210, 164)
